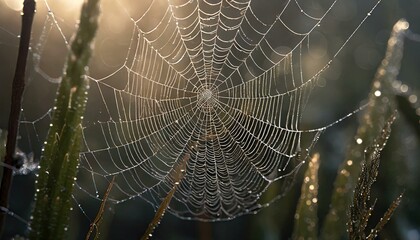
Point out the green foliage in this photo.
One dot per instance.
(381, 106)
(61, 153)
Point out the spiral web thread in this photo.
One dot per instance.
(223, 82)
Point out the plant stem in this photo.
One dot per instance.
(94, 226)
(16, 104)
(382, 104)
(60, 158)
(177, 174)
(306, 219)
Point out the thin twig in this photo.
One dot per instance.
(16, 104)
(95, 224)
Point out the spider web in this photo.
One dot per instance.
(222, 82)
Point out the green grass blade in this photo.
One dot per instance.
(306, 219)
(58, 167)
(381, 106)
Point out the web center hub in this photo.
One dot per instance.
(207, 98)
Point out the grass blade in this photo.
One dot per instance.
(306, 219)
(94, 226)
(61, 155)
(381, 106)
(177, 174)
(360, 209)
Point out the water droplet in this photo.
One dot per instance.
(412, 98)
(359, 141)
(404, 88)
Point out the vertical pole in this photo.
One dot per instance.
(16, 104)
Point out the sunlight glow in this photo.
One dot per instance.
(70, 5)
(14, 4)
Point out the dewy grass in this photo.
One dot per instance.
(381, 106)
(306, 219)
(361, 208)
(60, 158)
(350, 204)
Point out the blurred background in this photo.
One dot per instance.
(341, 90)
